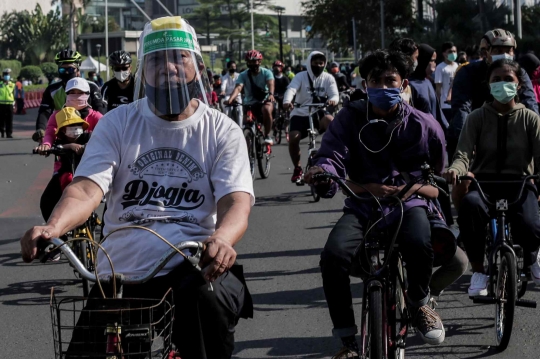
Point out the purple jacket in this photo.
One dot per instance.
(417, 140)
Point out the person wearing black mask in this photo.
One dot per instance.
(54, 97)
(311, 86)
(228, 83)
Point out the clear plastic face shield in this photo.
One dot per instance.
(171, 71)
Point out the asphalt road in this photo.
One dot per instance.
(280, 253)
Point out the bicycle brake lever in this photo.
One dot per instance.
(196, 258)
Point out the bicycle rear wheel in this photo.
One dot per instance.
(250, 141)
(505, 293)
(278, 126)
(375, 323)
(264, 153)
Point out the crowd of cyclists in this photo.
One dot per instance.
(472, 114)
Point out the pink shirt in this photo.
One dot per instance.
(49, 138)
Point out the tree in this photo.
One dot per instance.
(31, 72)
(33, 37)
(531, 29)
(331, 20)
(49, 69)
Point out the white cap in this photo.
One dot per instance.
(6, 71)
(78, 83)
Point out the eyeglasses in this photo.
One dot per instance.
(67, 70)
(123, 68)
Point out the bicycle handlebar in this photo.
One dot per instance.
(483, 196)
(57, 150)
(165, 258)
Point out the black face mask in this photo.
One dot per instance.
(160, 98)
(66, 77)
(277, 72)
(254, 68)
(232, 71)
(317, 70)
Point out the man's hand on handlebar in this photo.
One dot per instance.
(218, 258)
(288, 106)
(30, 239)
(75, 147)
(270, 98)
(451, 177)
(42, 149)
(332, 103)
(308, 177)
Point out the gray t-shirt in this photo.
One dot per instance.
(166, 176)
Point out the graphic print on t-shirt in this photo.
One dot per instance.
(145, 199)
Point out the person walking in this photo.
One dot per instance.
(7, 97)
(19, 96)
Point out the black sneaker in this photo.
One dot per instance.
(429, 325)
(346, 353)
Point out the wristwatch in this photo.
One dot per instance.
(270, 94)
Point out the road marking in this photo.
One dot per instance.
(29, 204)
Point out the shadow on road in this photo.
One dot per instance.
(292, 347)
(42, 287)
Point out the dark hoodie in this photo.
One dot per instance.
(423, 95)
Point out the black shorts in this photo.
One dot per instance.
(301, 123)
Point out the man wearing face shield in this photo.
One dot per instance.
(470, 90)
(54, 97)
(172, 164)
(119, 91)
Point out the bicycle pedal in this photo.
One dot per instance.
(526, 303)
(484, 300)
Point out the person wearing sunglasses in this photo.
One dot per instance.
(54, 97)
(119, 90)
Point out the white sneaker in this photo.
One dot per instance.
(478, 287)
(268, 140)
(535, 270)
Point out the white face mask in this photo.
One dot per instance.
(501, 56)
(74, 131)
(121, 75)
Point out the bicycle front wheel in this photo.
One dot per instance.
(264, 153)
(398, 317)
(505, 294)
(82, 253)
(375, 324)
(314, 194)
(250, 142)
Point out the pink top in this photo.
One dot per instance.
(49, 138)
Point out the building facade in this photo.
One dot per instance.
(21, 5)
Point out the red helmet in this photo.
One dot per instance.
(278, 63)
(253, 55)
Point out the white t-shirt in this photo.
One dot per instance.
(444, 74)
(166, 176)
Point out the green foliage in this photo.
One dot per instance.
(33, 37)
(35, 87)
(49, 69)
(531, 29)
(14, 65)
(332, 20)
(31, 72)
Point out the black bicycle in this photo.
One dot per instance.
(385, 316)
(236, 115)
(90, 229)
(258, 150)
(312, 145)
(507, 275)
(281, 121)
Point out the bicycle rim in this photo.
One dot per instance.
(505, 293)
(399, 317)
(248, 135)
(316, 197)
(83, 257)
(375, 324)
(263, 158)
